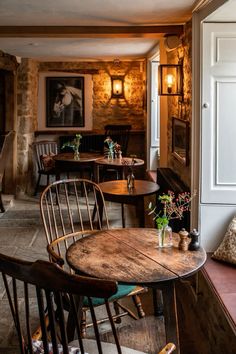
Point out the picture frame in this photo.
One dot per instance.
(65, 101)
(180, 140)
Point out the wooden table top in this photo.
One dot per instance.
(132, 256)
(124, 161)
(83, 157)
(119, 188)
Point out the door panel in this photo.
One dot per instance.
(219, 114)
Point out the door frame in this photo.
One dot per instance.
(197, 63)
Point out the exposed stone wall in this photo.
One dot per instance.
(175, 107)
(27, 90)
(107, 110)
(8, 65)
(129, 110)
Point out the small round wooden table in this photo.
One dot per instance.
(119, 164)
(65, 162)
(118, 192)
(131, 256)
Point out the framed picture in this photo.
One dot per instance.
(65, 101)
(180, 140)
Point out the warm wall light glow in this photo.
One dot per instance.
(169, 79)
(117, 88)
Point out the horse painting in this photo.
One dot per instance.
(66, 104)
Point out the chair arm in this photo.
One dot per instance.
(56, 258)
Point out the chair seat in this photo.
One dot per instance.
(123, 290)
(90, 347)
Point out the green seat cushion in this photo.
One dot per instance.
(123, 290)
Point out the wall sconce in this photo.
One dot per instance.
(117, 86)
(171, 79)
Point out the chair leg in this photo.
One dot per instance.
(1, 204)
(94, 212)
(83, 324)
(138, 304)
(117, 312)
(37, 185)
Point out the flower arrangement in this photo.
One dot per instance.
(173, 207)
(117, 148)
(110, 143)
(74, 144)
(113, 147)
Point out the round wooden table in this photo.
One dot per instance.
(65, 162)
(118, 192)
(132, 256)
(119, 164)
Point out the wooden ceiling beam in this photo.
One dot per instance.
(89, 31)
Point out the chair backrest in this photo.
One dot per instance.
(41, 148)
(5, 151)
(69, 206)
(119, 134)
(46, 283)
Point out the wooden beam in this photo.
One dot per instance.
(89, 31)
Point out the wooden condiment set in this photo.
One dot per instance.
(183, 243)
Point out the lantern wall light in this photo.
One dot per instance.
(171, 79)
(117, 86)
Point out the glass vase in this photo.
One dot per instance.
(165, 237)
(130, 180)
(119, 154)
(110, 154)
(76, 154)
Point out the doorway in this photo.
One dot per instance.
(154, 115)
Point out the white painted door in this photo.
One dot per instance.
(218, 131)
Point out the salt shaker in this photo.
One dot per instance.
(194, 244)
(183, 243)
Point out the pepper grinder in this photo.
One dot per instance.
(183, 243)
(194, 244)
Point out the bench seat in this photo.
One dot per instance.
(207, 311)
(222, 277)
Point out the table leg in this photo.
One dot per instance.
(157, 302)
(96, 173)
(57, 174)
(123, 215)
(170, 313)
(140, 211)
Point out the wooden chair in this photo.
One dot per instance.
(8, 139)
(47, 282)
(119, 134)
(66, 208)
(44, 152)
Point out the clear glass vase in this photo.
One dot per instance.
(165, 236)
(110, 154)
(76, 154)
(130, 180)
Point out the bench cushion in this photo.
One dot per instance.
(227, 250)
(123, 290)
(222, 277)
